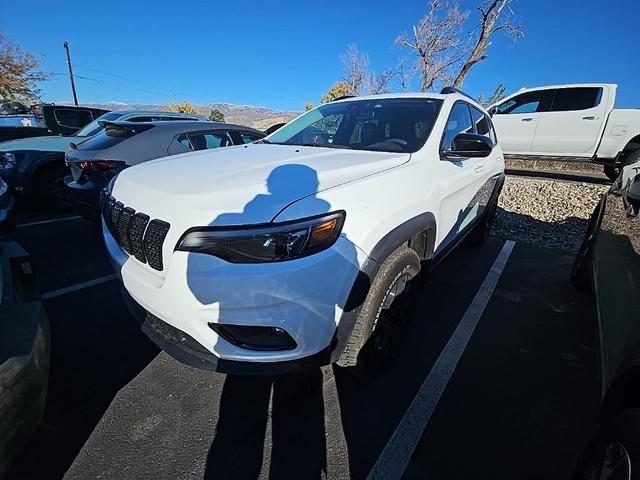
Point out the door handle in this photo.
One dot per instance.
(528, 119)
(590, 118)
(479, 168)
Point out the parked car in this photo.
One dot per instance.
(569, 122)
(608, 264)
(24, 353)
(295, 251)
(47, 119)
(41, 169)
(95, 161)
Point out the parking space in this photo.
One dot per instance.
(519, 404)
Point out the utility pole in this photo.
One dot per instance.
(73, 83)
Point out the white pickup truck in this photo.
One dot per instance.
(576, 121)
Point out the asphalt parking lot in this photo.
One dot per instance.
(519, 403)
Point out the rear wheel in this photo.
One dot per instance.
(384, 314)
(49, 189)
(613, 171)
(614, 453)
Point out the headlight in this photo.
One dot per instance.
(275, 242)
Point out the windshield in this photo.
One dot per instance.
(383, 125)
(92, 128)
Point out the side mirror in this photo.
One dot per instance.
(469, 145)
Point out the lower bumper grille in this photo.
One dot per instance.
(134, 231)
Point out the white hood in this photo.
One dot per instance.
(241, 185)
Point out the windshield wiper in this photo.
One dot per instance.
(324, 145)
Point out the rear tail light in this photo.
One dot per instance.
(100, 165)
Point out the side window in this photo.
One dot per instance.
(579, 98)
(182, 139)
(248, 137)
(529, 102)
(206, 140)
(483, 124)
(72, 118)
(459, 122)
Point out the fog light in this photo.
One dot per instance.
(255, 337)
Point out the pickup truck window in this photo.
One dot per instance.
(459, 122)
(528, 102)
(578, 98)
(71, 117)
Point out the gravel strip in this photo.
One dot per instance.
(546, 213)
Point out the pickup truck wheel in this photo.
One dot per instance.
(49, 188)
(384, 313)
(613, 171)
(614, 453)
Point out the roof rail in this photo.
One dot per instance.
(449, 90)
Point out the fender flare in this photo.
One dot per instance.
(419, 233)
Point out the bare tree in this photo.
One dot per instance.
(496, 16)
(403, 74)
(437, 41)
(358, 78)
(497, 95)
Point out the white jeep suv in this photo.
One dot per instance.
(294, 251)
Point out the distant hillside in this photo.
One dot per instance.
(256, 117)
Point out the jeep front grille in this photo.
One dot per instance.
(134, 231)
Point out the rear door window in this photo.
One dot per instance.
(206, 140)
(72, 118)
(249, 137)
(528, 102)
(483, 124)
(459, 122)
(579, 98)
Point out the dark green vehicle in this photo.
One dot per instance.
(608, 264)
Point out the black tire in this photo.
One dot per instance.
(615, 449)
(49, 189)
(613, 171)
(383, 314)
(581, 272)
(478, 236)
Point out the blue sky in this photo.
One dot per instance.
(279, 54)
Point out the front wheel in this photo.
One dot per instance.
(614, 453)
(377, 331)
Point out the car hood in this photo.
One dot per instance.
(43, 144)
(241, 185)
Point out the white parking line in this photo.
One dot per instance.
(395, 456)
(78, 286)
(52, 220)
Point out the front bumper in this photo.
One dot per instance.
(176, 308)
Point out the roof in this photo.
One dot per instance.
(156, 112)
(182, 126)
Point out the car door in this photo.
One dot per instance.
(461, 179)
(516, 119)
(574, 123)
